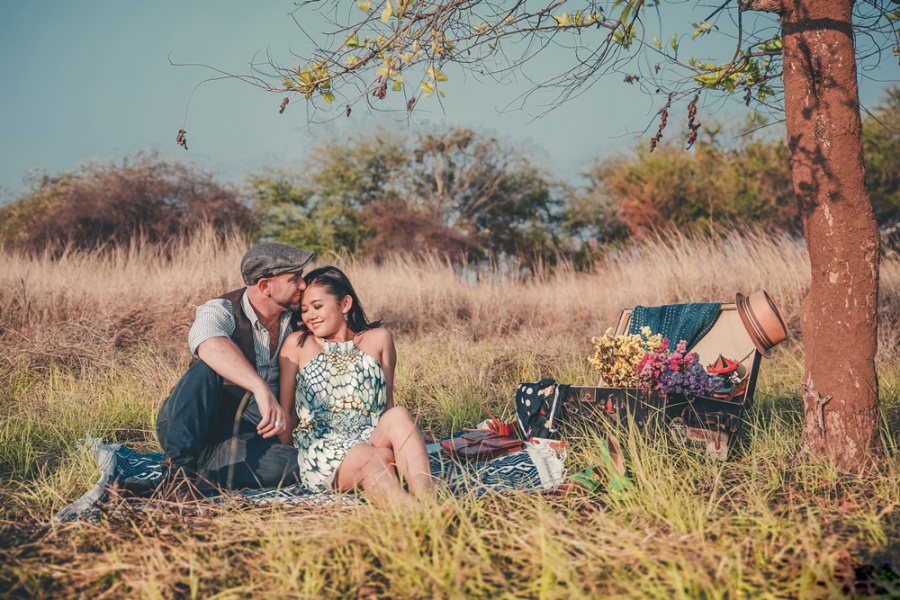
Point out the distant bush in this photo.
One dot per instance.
(706, 189)
(110, 205)
(457, 193)
(881, 146)
(730, 178)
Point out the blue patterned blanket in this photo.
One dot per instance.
(536, 467)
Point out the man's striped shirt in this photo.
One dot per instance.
(215, 319)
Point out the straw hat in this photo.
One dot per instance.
(762, 319)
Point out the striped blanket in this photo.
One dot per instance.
(537, 467)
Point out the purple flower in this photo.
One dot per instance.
(677, 372)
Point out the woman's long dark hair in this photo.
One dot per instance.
(336, 283)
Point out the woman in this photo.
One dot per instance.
(337, 375)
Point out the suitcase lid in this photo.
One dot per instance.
(727, 337)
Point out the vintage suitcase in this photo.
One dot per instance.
(582, 406)
(710, 423)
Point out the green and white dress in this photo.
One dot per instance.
(340, 397)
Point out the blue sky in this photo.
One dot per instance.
(92, 80)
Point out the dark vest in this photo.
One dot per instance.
(243, 329)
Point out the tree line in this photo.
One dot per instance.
(457, 193)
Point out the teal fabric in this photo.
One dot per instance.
(689, 322)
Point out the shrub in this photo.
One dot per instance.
(458, 193)
(704, 189)
(111, 205)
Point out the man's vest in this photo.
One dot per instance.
(243, 329)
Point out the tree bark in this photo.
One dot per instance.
(839, 314)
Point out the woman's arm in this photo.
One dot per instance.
(287, 384)
(388, 363)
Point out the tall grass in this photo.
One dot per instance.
(91, 343)
(90, 305)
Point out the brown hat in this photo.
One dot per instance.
(762, 319)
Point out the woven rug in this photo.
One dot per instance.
(537, 467)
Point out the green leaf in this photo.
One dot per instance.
(387, 12)
(562, 20)
(352, 41)
(674, 42)
(366, 6)
(328, 96)
(626, 11)
(398, 85)
(656, 43)
(773, 45)
(700, 29)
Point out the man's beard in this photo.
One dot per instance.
(290, 305)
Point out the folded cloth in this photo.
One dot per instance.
(480, 445)
(689, 322)
(533, 468)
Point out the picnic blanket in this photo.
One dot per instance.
(538, 466)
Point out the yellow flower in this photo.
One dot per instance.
(617, 356)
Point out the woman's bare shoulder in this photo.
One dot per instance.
(379, 335)
(291, 343)
(295, 345)
(376, 342)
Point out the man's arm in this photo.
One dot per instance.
(225, 358)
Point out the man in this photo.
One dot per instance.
(220, 423)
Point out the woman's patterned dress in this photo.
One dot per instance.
(340, 397)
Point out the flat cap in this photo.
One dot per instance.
(269, 259)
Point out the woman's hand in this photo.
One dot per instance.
(288, 360)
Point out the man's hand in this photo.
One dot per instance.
(224, 357)
(273, 419)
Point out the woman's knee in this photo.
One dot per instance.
(398, 415)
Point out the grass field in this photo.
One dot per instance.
(91, 344)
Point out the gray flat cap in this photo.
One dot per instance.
(269, 259)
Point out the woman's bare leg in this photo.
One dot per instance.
(372, 469)
(397, 431)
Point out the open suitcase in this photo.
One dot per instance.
(707, 422)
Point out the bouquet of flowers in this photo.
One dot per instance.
(678, 372)
(617, 356)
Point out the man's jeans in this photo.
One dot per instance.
(199, 429)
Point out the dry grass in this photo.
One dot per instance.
(90, 344)
(91, 305)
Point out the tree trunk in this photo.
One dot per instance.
(839, 314)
